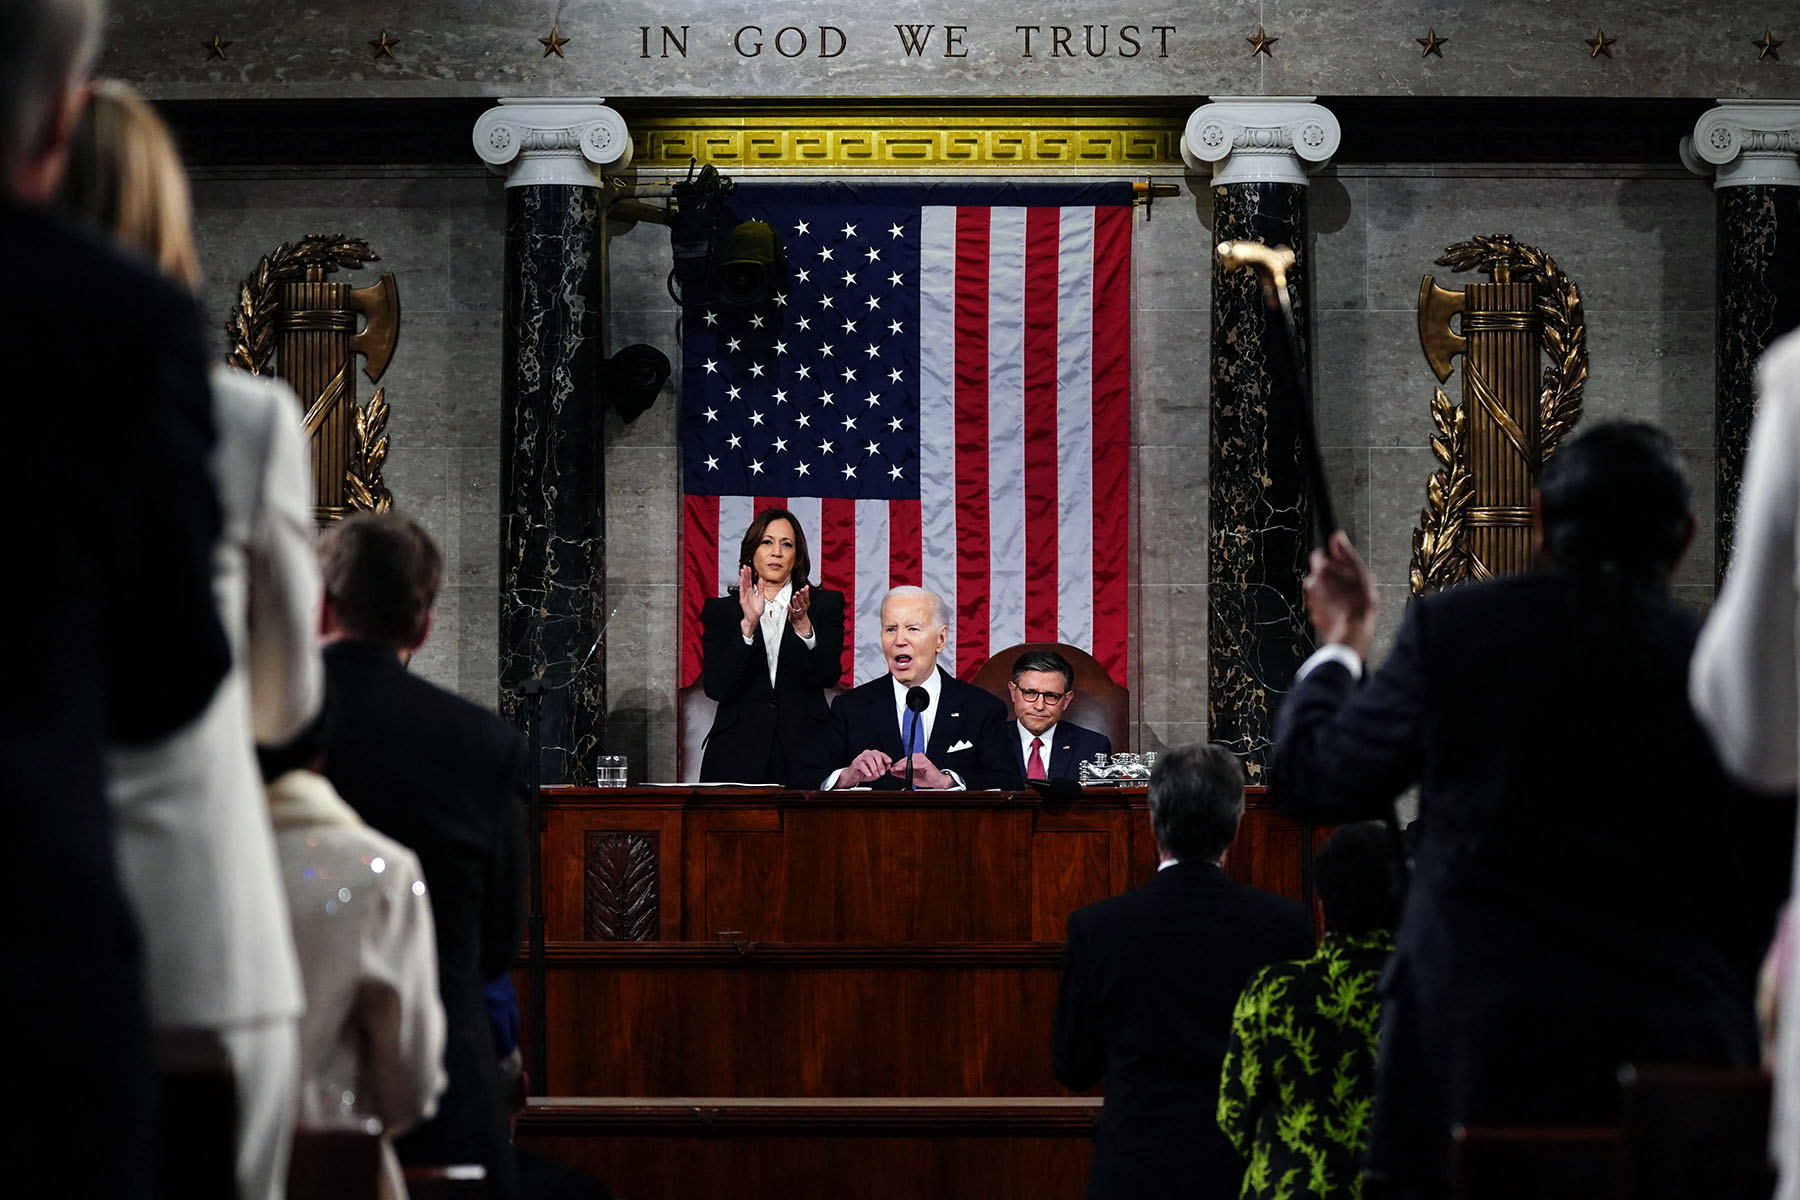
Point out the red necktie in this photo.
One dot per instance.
(1034, 766)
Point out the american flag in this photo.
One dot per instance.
(940, 392)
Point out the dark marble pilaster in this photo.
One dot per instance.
(552, 479)
(552, 482)
(1759, 300)
(1257, 632)
(1752, 150)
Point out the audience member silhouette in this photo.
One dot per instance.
(445, 778)
(1545, 718)
(1148, 984)
(223, 982)
(111, 632)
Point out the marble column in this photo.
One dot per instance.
(1751, 150)
(552, 485)
(1257, 634)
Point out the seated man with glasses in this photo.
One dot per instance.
(1048, 747)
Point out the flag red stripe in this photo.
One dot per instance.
(699, 565)
(765, 502)
(1040, 434)
(837, 566)
(1112, 434)
(906, 555)
(971, 438)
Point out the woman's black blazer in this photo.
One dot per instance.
(754, 717)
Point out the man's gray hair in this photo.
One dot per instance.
(1196, 801)
(45, 47)
(940, 612)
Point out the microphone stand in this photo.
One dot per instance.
(910, 735)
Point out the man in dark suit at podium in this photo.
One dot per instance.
(956, 734)
(445, 778)
(1044, 745)
(1150, 979)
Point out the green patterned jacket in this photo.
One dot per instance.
(1299, 1080)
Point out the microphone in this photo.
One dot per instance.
(918, 700)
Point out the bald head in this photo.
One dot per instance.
(47, 50)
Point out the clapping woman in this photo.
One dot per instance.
(772, 646)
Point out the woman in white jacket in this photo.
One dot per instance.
(195, 849)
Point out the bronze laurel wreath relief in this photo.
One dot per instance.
(1491, 445)
(286, 304)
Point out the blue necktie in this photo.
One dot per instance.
(909, 733)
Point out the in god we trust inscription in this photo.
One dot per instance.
(917, 40)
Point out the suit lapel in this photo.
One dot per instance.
(1062, 750)
(947, 720)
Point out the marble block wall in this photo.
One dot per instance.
(442, 233)
(1637, 241)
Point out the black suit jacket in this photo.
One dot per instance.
(1588, 887)
(763, 731)
(1148, 985)
(111, 633)
(445, 778)
(1071, 746)
(865, 718)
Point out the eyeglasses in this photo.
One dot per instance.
(1031, 697)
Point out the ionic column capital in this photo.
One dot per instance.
(1260, 139)
(1745, 142)
(535, 142)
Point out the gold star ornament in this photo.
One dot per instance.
(1600, 44)
(1433, 44)
(1767, 45)
(553, 44)
(1261, 42)
(383, 45)
(215, 48)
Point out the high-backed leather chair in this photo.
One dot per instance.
(1099, 704)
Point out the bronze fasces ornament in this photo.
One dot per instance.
(290, 317)
(1476, 523)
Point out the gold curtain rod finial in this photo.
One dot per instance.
(1432, 43)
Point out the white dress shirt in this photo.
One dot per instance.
(774, 622)
(1335, 652)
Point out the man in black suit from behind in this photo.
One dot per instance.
(445, 778)
(957, 739)
(1149, 981)
(111, 630)
(1045, 745)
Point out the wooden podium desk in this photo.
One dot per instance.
(765, 943)
(749, 865)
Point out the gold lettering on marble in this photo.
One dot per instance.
(1476, 523)
(291, 318)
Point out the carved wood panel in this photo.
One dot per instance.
(620, 900)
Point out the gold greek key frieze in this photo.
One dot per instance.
(672, 142)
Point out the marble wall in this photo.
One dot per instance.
(841, 48)
(441, 232)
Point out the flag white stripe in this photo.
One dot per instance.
(871, 586)
(735, 515)
(1075, 430)
(937, 409)
(1006, 413)
(806, 508)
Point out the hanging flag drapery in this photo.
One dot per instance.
(940, 392)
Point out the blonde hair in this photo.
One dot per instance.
(125, 176)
